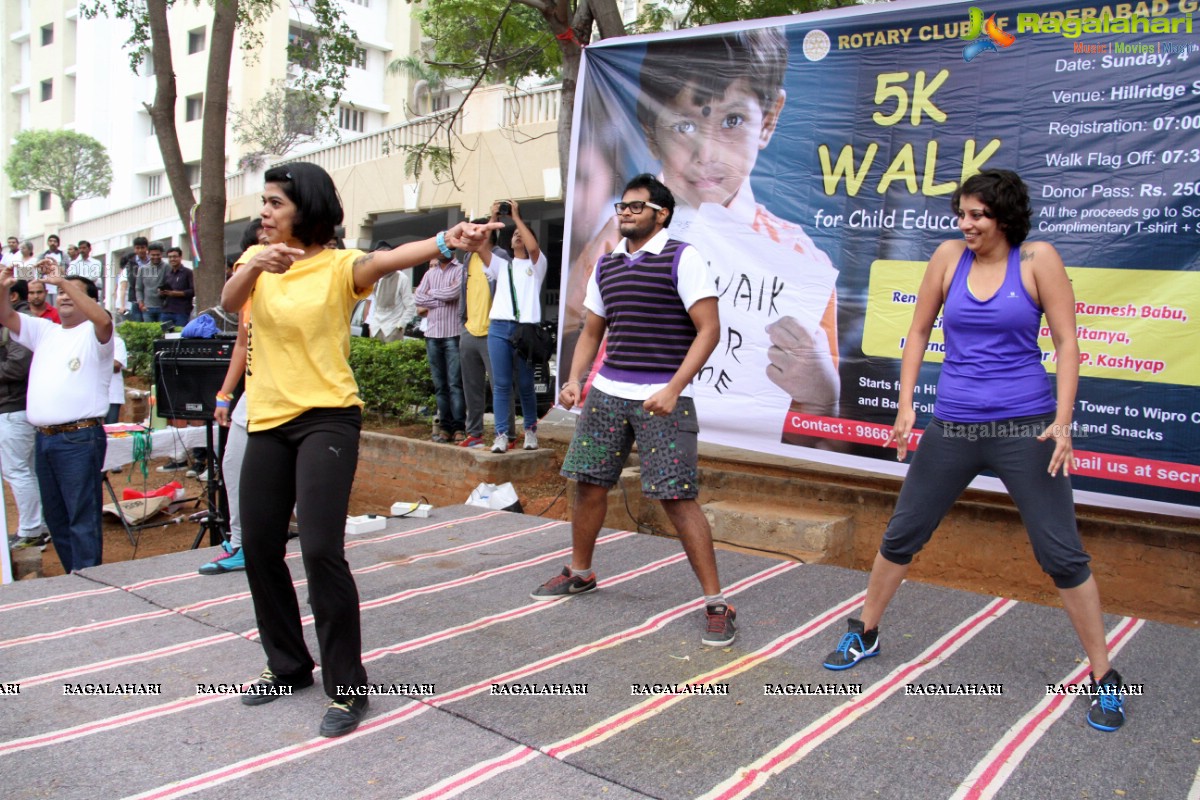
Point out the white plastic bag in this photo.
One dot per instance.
(496, 498)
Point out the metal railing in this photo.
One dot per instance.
(536, 105)
(380, 144)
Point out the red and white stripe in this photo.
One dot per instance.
(125, 661)
(308, 619)
(122, 720)
(284, 755)
(56, 598)
(746, 780)
(89, 628)
(133, 587)
(484, 771)
(991, 773)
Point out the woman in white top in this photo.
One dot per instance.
(517, 299)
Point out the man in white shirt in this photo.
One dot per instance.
(88, 267)
(66, 401)
(392, 306)
(12, 254)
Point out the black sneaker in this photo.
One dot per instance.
(41, 540)
(267, 687)
(564, 584)
(855, 645)
(173, 466)
(1108, 704)
(721, 630)
(343, 715)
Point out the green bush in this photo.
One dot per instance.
(139, 341)
(393, 379)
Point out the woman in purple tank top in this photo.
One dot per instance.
(996, 410)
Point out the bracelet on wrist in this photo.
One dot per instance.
(222, 404)
(224, 396)
(441, 244)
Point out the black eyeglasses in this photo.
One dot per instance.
(636, 207)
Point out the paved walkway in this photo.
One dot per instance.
(447, 616)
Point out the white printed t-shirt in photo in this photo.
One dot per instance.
(70, 373)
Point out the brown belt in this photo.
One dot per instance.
(67, 427)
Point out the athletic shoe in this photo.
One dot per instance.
(440, 438)
(531, 442)
(721, 630)
(41, 540)
(1108, 708)
(459, 437)
(228, 561)
(199, 470)
(473, 442)
(856, 645)
(267, 687)
(563, 585)
(343, 715)
(173, 465)
(500, 443)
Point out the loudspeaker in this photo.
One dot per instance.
(188, 373)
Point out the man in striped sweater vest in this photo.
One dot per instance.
(653, 298)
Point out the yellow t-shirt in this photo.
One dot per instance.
(479, 297)
(298, 353)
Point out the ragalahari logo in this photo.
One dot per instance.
(985, 35)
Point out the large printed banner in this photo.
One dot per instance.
(813, 159)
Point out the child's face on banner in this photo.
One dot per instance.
(709, 145)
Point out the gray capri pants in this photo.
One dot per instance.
(949, 457)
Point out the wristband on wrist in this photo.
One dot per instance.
(224, 396)
(441, 243)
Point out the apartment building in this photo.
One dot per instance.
(66, 71)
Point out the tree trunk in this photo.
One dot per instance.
(163, 110)
(210, 217)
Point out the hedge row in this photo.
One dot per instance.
(393, 379)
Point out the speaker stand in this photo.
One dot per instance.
(214, 519)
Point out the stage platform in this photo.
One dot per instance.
(606, 695)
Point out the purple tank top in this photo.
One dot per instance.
(993, 367)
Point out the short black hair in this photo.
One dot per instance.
(318, 205)
(82, 242)
(88, 284)
(1005, 195)
(493, 236)
(140, 240)
(175, 250)
(21, 290)
(659, 193)
(250, 234)
(53, 236)
(709, 64)
(159, 246)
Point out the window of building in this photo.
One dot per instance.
(363, 3)
(439, 102)
(196, 41)
(193, 174)
(350, 119)
(302, 47)
(47, 90)
(360, 58)
(44, 201)
(154, 185)
(194, 109)
(47, 34)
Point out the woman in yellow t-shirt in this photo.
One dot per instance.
(304, 422)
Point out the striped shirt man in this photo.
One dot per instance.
(439, 291)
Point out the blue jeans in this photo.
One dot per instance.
(68, 471)
(503, 357)
(133, 314)
(152, 315)
(177, 318)
(446, 370)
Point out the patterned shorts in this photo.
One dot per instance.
(606, 431)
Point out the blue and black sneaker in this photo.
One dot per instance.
(855, 645)
(1108, 702)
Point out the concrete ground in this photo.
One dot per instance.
(447, 615)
